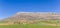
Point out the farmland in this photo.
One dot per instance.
(45, 24)
(28, 26)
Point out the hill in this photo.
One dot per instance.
(34, 16)
(29, 16)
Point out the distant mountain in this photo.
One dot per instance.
(33, 16)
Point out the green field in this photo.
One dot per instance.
(42, 24)
(28, 26)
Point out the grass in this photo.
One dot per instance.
(40, 25)
(27, 26)
(52, 21)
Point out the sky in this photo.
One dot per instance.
(10, 7)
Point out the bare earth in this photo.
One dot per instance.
(5, 24)
(45, 24)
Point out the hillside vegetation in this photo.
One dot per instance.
(32, 20)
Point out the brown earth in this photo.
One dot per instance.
(5, 24)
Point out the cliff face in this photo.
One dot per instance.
(34, 16)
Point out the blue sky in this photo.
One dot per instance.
(10, 7)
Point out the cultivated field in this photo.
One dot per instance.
(42, 24)
(28, 26)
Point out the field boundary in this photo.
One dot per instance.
(42, 23)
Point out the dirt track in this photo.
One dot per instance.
(5, 24)
(45, 24)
